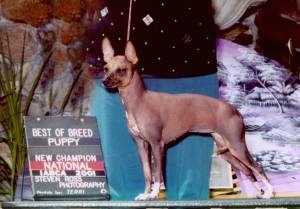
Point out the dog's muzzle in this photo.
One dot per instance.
(111, 82)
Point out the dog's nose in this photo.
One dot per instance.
(105, 82)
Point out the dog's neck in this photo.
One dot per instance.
(133, 89)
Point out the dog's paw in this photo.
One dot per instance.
(265, 192)
(147, 196)
(153, 195)
(268, 192)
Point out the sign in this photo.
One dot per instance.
(65, 158)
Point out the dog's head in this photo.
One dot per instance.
(119, 69)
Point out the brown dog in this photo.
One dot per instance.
(155, 119)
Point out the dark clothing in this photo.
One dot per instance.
(172, 38)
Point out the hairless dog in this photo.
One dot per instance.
(156, 119)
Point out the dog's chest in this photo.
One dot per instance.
(133, 126)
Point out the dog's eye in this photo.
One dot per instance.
(105, 69)
(122, 71)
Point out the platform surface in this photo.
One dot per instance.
(232, 203)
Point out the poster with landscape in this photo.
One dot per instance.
(268, 96)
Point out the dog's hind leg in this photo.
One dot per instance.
(265, 190)
(225, 153)
(238, 156)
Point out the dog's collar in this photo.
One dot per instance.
(129, 82)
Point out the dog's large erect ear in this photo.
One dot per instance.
(108, 51)
(130, 53)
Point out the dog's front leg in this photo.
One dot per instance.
(158, 153)
(143, 148)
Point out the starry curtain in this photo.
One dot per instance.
(172, 38)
